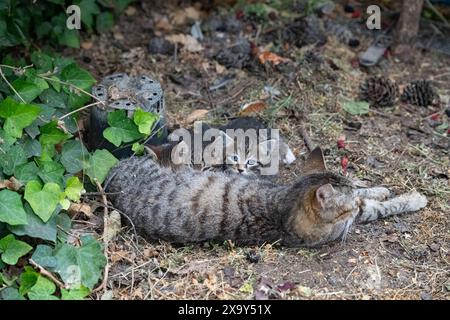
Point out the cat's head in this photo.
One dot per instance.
(324, 206)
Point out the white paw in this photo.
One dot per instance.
(381, 193)
(417, 201)
(289, 158)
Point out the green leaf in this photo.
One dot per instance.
(145, 120)
(26, 89)
(26, 172)
(75, 294)
(70, 38)
(13, 249)
(10, 293)
(122, 128)
(43, 200)
(41, 61)
(89, 9)
(77, 99)
(6, 140)
(54, 99)
(11, 208)
(356, 107)
(27, 280)
(99, 165)
(74, 189)
(35, 228)
(15, 157)
(74, 156)
(105, 21)
(43, 256)
(51, 135)
(137, 148)
(77, 76)
(17, 115)
(32, 148)
(51, 171)
(82, 265)
(42, 290)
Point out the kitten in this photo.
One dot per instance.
(192, 206)
(234, 156)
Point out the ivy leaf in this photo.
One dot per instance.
(51, 171)
(26, 89)
(74, 156)
(70, 38)
(74, 189)
(17, 115)
(145, 120)
(75, 294)
(6, 140)
(137, 148)
(89, 9)
(54, 99)
(10, 293)
(11, 208)
(82, 265)
(42, 290)
(41, 61)
(15, 157)
(77, 76)
(13, 249)
(43, 200)
(27, 280)
(51, 135)
(99, 165)
(26, 172)
(43, 256)
(122, 128)
(32, 148)
(356, 107)
(35, 228)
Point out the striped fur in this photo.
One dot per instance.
(192, 206)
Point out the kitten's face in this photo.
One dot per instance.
(326, 214)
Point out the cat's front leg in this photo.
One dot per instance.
(376, 193)
(371, 209)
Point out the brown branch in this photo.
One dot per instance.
(102, 286)
(48, 274)
(308, 143)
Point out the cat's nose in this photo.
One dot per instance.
(241, 170)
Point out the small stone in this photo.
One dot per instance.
(425, 296)
(434, 247)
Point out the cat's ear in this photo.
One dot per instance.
(181, 153)
(315, 162)
(324, 194)
(227, 140)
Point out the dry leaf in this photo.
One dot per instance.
(163, 24)
(189, 42)
(220, 68)
(11, 184)
(87, 45)
(80, 207)
(196, 115)
(184, 15)
(114, 225)
(271, 57)
(253, 107)
(131, 11)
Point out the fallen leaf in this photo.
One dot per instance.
(196, 115)
(271, 57)
(114, 225)
(189, 42)
(11, 184)
(76, 208)
(131, 11)
(182, 16)
(87, 45)
(253, 107)
(163, 24)
(356, 107)
(304, 291)
(220, 68)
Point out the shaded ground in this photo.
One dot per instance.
(405, 257)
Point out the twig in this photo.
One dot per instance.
(102, 286)
(10, 85)
(48, 274)
(80, 109)
(306, 138)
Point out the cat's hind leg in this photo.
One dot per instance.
(376, 193)
(371, 209)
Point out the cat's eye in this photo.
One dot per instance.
(251, 162)
(234, 158)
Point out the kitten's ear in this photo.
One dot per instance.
(315, 162)
(266, 148)
(324, 194)
(227, 140)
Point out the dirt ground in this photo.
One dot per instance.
(401, 147)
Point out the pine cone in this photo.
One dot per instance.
(420, 93)
(379, 91)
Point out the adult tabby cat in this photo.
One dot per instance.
(236, 156)
(193, 206)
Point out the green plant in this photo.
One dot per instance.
(23, 22)
(42, 169)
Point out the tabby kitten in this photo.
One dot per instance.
(193, 206)
(236, 156)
